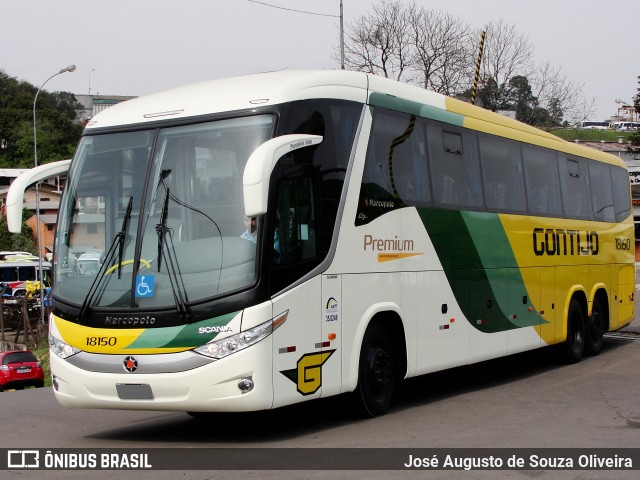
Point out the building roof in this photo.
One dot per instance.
(12, 172)
(609, 147)
(49, 218)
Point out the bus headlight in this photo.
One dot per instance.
(235, 343)
(60, 348)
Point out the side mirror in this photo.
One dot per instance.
(261, 163)
(15, 195)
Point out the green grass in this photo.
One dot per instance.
(572, 134)
(42, 354)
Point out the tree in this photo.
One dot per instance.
(58, 131)
(23, 241)
(561, 96)
(437, 51)
(378, 43)
(441, 47)
(411, 44)
(517, 96)
(507, 54)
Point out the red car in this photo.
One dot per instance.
(20, 369)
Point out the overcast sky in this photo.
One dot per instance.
(136, 47)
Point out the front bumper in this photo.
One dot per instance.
(213, 387)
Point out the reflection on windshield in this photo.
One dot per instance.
(156, 218)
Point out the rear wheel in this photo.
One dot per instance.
(595, 328)
(573, 347)
(376, 372)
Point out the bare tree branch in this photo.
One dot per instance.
(436, 50)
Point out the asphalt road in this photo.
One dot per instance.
(523, 401)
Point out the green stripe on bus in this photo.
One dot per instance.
(470, 246)
(414, 108)
(501, 266)
(181, 336)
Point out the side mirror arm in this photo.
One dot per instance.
(257, 172)
(15, 196)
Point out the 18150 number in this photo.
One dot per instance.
(101, 341)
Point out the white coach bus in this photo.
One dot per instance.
(275, 238)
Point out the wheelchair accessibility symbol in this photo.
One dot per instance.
(145, 286)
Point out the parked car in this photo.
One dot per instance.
(19, 369)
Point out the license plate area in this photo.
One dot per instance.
(134, 391)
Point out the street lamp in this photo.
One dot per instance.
(92, 70)
(70, 68)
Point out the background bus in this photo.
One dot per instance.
(625, 126)
(591, 125)
(397, 232)
(16, 269)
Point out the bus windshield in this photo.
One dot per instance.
(155, 218)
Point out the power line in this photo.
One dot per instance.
(293, 10)
(341, 17)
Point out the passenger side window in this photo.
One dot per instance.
(576, 200)
(601, 192)
(502, 174)
(455, 170)
(396, 159)
(541, 181)
(621, 192)
(396, 173)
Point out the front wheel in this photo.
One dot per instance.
(376, 371)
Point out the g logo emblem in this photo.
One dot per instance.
(308, 374)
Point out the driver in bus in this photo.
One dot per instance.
(251, 234)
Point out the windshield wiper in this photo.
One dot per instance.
(169, 254)
(161, 228)
(122, 235)
(119, 241)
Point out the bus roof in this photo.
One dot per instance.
(234, 93)
(258, 90)
(22, 261)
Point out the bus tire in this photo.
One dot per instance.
(595, 328)
(573, 347)
(376, 371)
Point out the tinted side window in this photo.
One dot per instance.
(576, 200)
(337, 121)
(396, 166)
(601, 192)
(541, 181)
(8, 274)
(455, 170)
(26, 273)
(502, 174)
(621, 192)
(295, 236)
